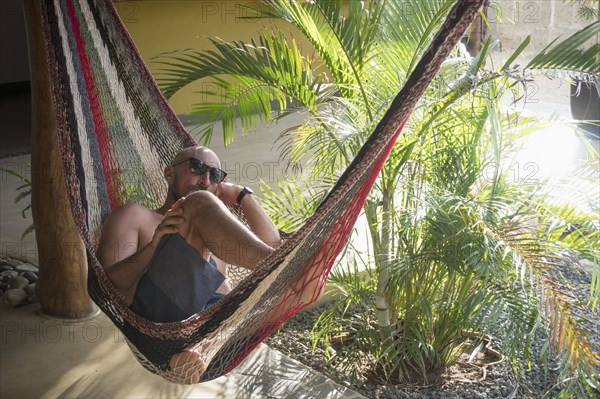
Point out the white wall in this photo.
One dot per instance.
(543, 20)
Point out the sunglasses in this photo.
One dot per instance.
(199, 167)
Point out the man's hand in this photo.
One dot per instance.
(170, 223)
(228, 192)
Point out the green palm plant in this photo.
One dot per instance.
(588, 10)
(23, 191)
(438, 230)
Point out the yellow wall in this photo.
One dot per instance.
(159, 26)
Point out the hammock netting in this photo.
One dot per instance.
(117, 133)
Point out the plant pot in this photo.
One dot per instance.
(585, 105)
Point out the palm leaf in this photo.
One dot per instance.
(407, 28)
(260, 72)
(343, 39)
(568, 55)
(26, 181)
(564, 315)
(292, 202)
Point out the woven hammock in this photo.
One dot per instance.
(117, 132)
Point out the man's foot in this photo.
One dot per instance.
(187, 366)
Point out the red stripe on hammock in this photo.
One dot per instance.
(334, 242)
(110, 171)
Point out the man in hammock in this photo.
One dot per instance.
(195, 209)
(148, 254)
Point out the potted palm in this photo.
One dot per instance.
(585, 104)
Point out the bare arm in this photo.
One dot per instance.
(258, 220)
(119, 252)
(124, 251)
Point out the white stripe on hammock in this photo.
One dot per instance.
(146, 152)
(93, 214)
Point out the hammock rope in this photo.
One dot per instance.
(117, 134)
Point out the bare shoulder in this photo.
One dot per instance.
(129, 219)
(121, 233)
(129, 213)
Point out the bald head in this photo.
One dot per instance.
(199, 152)
(182, 179)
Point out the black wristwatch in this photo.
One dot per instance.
(245, 190)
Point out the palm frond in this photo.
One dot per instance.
(28, 230)
(23, 191)
(588, 10)
(565, 317)
(260, 73)
(292, 202)
(407, 28)
(26, 181)
(23, 194)
(337, 138)
(569, 55)
(343, 39)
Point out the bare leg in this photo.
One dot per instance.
(211, 228)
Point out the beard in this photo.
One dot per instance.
(194, 188)
(189, 189)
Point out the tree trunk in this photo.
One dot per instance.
(382, 257)
(477, 33)
(62, 284)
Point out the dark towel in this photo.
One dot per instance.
(178, 284)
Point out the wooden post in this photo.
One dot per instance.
(62, 284)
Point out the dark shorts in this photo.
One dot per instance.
(178, 283)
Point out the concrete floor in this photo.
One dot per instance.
(43, 357)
